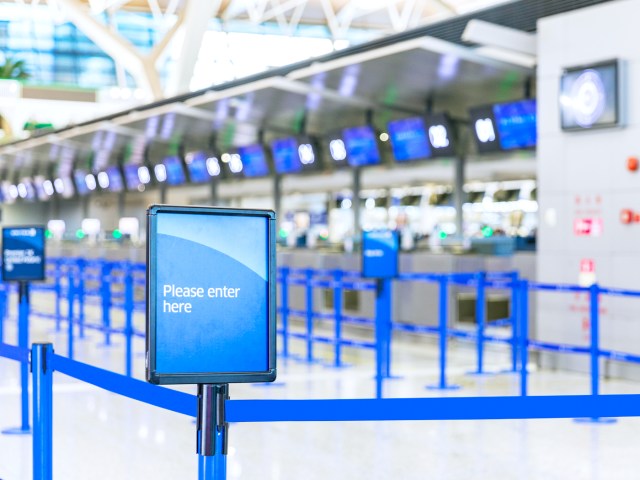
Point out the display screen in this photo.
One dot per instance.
(380, 254)
(285, 155)
(254, 161)
(208, 322)
(79, 177)
(175, 172)
(516, 122)
(197, 166)
(23, 255)
(361, 146)
(441, 135)
(409, 139)
(131, 176)
(589, 97)
(115, 179)
(42, 192)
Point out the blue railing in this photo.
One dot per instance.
(44, 362)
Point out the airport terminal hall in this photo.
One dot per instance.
(319, 239)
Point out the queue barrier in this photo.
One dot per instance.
(131, 275)
(44, 362)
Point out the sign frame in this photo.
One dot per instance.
(394, 274)
(41, 231)
(159, 378)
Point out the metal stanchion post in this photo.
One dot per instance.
(23, 342)
(70, 314)
(524, 335)
(105, 295)
(285, 311)
(481, 279)
(128, 313)
(81, 291)
(443, 315)
(42, 373)
(213, 434)
(309, 305)
(515, 321)
(58, 291)
(337, 307)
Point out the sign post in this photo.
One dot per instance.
(380, 261)
(23, 261)
(211, 310)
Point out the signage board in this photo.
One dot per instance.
(23, 253)
(380, 254)
(210, 295)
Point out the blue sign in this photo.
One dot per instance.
(409, 139)
(23, 255)
(211, 302)
(361, 146)
(380, 254)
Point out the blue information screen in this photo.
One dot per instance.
(285, 155)
(380, 254)
(516, 124)
(115, 179)
(361, 146)
(254, 161)
(409, 139)
(81, 183)
(211, 307)
(197, 166)
(131, 176)
(23, 254)
(175, 172)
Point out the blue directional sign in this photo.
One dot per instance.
(23, 254)
(211, 299)
(380, 254)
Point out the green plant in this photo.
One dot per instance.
(13, 70)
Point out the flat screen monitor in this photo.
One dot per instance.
(42, 192)
(361, 146)
(409, 139)
(441, 135)
(254, 161)
(197, 166)
(590, 96)
(484, 129)
(80, 178)
(516, 123)
(132, 179)
(116, 183)
(26, 189)
(175, 172)
(285, 155)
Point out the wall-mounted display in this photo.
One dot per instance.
(361, 146)
(409, 140)
(505, 126)
(175, 171)
(590, 96)
(254, 160)
(285, 155)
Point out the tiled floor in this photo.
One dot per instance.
(98, 435)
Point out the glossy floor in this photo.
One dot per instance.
(98, 435)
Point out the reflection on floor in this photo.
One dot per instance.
(98, 435)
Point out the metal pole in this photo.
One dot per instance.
(355, 202)
(524, 335)
(337, 307)
(80, 292)
(380, 320)
(443, 315)
(212, 432)
(309, 302)
(23, 342)
(480, 318)
(105, 291)
(594, 293)
(515, 321)
(3, 308)
(285, 312)
(42, 374)
(277, 199)
(128, 312)
(58, 290)
(70, 301)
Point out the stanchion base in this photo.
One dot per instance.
(602, 420)
(339, 367)
(475, 373)
(16, 431)
(269, 384)
(443, 387)
(507, 372)
(107, 345)
(393, 377)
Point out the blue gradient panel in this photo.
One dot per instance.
(285, 155)
(198, 168)
(81, 184)
(361, 146)
(254, 161)
(221, 262)
(516, 123)
(409, 139)
(175, 172)
(23, 255)
(380, 254)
